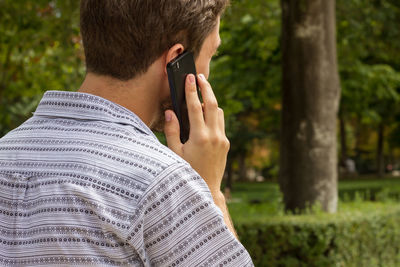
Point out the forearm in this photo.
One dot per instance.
(219, 200)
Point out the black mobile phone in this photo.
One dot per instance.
(177, 71)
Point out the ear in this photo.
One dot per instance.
(172, 53)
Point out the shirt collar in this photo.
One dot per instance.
(83, 106)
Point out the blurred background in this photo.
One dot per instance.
(346, 210)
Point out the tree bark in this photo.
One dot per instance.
(311, 91)
(380, 160)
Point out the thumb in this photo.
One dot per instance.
(172, 132)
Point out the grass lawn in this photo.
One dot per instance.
(263, 201)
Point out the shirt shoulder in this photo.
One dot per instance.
(104, 144)
(177, 222)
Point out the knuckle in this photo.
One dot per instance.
(206, 85)
(193, 89)
(204, 81)
(202, 138)
(171, 131)
(220, 141)
(195, 107)
(215, 140)
(212, 104)
(227, 143)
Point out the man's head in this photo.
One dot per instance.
(123, 38)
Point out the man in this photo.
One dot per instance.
(86, 182)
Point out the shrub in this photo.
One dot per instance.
(360, 234)
(380, 190)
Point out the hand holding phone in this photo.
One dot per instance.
(177, 71)
(207, 147)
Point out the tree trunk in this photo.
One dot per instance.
(379, 153)
(311, 91)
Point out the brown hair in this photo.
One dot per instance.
(123, 38)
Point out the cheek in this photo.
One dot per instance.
(203, 66)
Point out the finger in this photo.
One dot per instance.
(172, 132)
(210, 102)
(195, 110)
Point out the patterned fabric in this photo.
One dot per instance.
(85, 182)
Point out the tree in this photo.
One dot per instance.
(40, 50)
(369, 70)
(246, 77)
(311, 91)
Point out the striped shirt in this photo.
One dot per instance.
(85, 182)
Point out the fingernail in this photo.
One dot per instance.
(202, 76)
(191, 78)
(168, 117)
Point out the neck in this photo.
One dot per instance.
(140, 95)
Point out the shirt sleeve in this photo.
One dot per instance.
(181, 225)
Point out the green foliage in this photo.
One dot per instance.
(369, 62)
(361, 234)
(375, 86)
(40, 50)
(246, 72)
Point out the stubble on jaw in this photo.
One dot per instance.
(158, 123)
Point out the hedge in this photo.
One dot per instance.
(361, 234)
